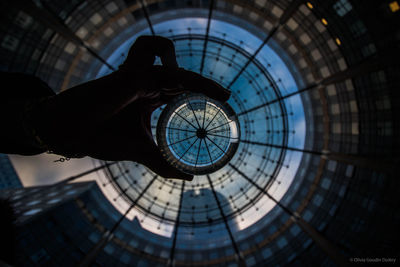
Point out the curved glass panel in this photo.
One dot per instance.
(267, 125)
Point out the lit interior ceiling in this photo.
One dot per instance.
(291, 66)
(277, 122)
(261, 82)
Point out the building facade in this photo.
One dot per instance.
(8, 177)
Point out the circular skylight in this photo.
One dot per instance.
(268, 125)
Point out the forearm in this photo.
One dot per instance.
(17, 136)
(95, 100)
(81, 110)
(18, 94)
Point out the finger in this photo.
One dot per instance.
(133, 148)
(168, 95)
(138, 143)
(133, 144)
(154, 159)
(178, 80)
(143, 52)
(198, 84)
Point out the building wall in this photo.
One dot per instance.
(8, 177)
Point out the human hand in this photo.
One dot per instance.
(109, 118)
(128, 136)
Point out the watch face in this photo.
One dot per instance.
(198, 135)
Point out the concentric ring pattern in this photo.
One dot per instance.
(197, 134)
(264, 133)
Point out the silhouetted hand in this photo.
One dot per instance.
(109, 118)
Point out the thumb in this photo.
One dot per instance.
(199, 84)
(178, 80)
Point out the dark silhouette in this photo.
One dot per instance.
(107, 118)
(8, 233)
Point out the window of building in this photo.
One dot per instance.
(71, 192)
(32, 212)
(34, 202)
(23, 20)
(394, 6)
(342, 7)
(53, 201)
(358, 28)
(10, 42)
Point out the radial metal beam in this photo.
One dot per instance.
(372, 64)
(89, 258)
(187, 150)
(287, 14)
(282, 147)
(147, 16)
(198, 153)
(253, 56)
(181, 140)
(74, 177)
(96, 55)
(203, 56)
(208, 151)
(321, 241)
(278, 99)
(56, 24)
(69, 179)
(385, 165)
(228, 229)
(194, 114)
(171, 261)
(48, 19)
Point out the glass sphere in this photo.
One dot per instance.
(198, 135)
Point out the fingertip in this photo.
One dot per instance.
(200, 84)
(170, 172)
(216, 91)
(154, 160)
(182, 176)
(225, 95)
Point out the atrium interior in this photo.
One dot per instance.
(309, 169)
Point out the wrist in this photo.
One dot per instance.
(27, 124)
(40, 127)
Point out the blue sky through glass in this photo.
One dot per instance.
(267, 56)
(277, 69)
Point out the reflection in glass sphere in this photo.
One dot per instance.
(197, 134)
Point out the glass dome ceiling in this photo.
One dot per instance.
(341, 54)
(231, 198)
